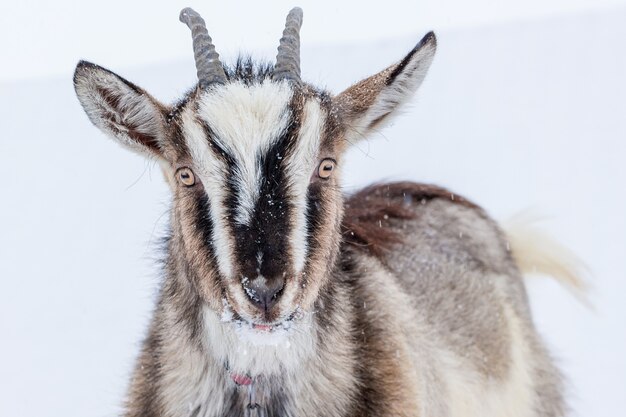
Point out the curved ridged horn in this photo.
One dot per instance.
(208, 63)
(288, 58)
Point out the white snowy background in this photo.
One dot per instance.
(523, 108)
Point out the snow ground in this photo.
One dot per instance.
(527, 114)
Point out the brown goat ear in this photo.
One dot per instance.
(120, 109)
(371, 103)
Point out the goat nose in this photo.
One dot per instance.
(264, 293)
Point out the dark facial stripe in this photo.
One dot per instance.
(216, 147)
(232, 197)
(204, 223)
(314, 215)
(314, 204)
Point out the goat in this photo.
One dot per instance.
(281, 297)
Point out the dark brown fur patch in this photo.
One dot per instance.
(367, 213)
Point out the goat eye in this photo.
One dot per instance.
(186, 177)
(326, 168)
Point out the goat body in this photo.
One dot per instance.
(282, 299)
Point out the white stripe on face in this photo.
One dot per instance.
(212, 172)
(247, 120)
(300, 167)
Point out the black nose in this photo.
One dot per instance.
(264, 293)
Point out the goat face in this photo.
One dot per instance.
(252, 161)
(259, 209)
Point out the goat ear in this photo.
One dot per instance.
(371, 103)
(121, 109)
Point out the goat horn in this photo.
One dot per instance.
(208, 63)
(288, 58)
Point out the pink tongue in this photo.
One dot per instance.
(262, 327)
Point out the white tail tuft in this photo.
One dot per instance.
(535, 252)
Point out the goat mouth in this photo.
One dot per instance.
(271, 327)
(263, 327)
(242, 323)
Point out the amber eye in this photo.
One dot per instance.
(185, 176)
(326, 168)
